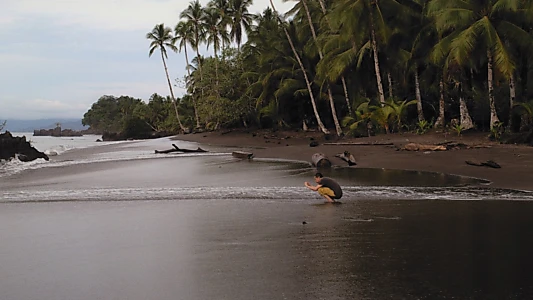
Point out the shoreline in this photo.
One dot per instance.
(516, 161)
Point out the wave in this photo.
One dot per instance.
(351, 194)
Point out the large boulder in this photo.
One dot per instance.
(11, 145)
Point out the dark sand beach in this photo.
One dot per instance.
(516, 161)
(210, 226)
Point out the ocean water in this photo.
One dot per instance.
(117, 221)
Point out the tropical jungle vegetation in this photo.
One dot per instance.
(353, 67)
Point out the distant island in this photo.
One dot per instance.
(57, 132)
(17, 125)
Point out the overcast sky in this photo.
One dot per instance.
(57, 57)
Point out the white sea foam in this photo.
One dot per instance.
(299, 194)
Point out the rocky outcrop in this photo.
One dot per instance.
(56, 132)
(11, 145)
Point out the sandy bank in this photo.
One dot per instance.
(516, 161)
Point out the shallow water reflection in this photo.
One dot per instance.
(255, 249)
(391, 177)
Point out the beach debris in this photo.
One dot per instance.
(320, 160)
(488, 163)
(347, 157)
(422, 147)
(178, 149)
(242, 154)
(14, 146)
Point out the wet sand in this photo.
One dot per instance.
(516, 160)
(246, 249)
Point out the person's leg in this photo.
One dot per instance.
(328, 198)
(327, 193)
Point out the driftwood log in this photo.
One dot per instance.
(361, 144)
(347, 157)
(320, 160)
(488, 163)
(178, 149)
(242, 154)
(422, 147)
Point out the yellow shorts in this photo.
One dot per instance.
(326, 191)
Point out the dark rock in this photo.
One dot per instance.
(313, 144)
(10, 146)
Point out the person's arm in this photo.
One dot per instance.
(312, 187)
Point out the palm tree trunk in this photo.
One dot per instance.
(376, 65)
(343, 80)
(216, 73)
(346, 95)
(493, 115)
(199, 62)
(418, 97)
(330, 95)
(172, 93)
(440, 120)
(193, 98)
(389, 78)
(466, 121)
(512, 97)
(309, 89)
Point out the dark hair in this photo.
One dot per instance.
(319, 175)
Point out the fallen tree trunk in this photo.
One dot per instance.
(361, 144)
(178, 149)
(320, 160)
(488, 163)
(242, 154)
(422, 147)
(347, 157)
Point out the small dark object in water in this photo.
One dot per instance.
(313, 144)
(488, 163)
(242, 154)
(304, 222)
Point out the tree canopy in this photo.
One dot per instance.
(359, 61)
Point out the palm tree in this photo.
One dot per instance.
(343, 79)
(212, 20)
(240, 17)
(161, 38)
(222, 7)
(194, 15)
(480, 26)
(300, 63)
(321, 55)
(362, 20)
(183, 35)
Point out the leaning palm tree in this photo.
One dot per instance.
(161, 38)
(343, 79)
(321, 55)
(480, 26)
(183, 36)
(300, 63)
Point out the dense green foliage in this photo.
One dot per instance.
(376, 65)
